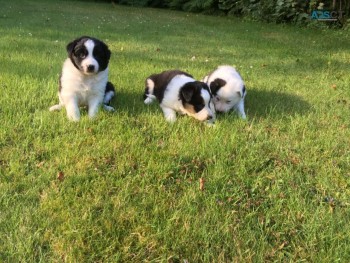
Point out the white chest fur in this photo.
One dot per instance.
(81, 88)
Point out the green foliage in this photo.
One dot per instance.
(151, 3)
(279, 11)
(199, 6)
(270, 11)
(176, 4)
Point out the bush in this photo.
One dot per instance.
(279, 11)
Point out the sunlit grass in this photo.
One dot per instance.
(125, 187)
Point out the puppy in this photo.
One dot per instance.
(84, 78)
(177, 91)
(228, 89)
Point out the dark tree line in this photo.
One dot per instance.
(279, 11)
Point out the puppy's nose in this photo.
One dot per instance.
(91, 68)
(209, 117)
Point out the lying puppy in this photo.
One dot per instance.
(228, 89)
(177, 91)
(84, 78)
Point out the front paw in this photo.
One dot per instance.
(170, 119)
(73, 114)
(169, 114)
(74, 117)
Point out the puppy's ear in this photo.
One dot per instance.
(108, 53)
(187, 92)
(70, 46)
(216, 85)
(242, 92)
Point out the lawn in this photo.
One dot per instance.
(125, 187)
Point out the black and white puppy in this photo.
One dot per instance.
(84, 78)
(228, 89)
(177, 91)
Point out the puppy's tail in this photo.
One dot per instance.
(109, 94)
(148, 96)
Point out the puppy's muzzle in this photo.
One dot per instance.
(90, 68)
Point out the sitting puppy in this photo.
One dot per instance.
(84, 78)
(227, 88)
(177, 91)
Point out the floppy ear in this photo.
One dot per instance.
(108, 53)
(216, 85)
(187, 92)
(70, 46)
(242, 92)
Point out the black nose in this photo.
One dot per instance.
(209, 117)
(90, 68)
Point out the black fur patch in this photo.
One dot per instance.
(109, 87)
(77, 52)
(161, 82)
(190, 95)
(216, 85)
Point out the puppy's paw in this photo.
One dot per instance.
(242, 115)
(170, 119)
(55, 107)
(73, 115)
(169, 114)
(74, 118)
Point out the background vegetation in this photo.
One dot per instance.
(279, 11)
(126, 186)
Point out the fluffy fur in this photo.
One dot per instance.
(228, 89)
(177, 91)
(84, 78)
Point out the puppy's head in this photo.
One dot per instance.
(197, 101)
(225, 98)
(89, 55)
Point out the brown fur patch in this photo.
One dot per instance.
(190, 108)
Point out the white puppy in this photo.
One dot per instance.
(228, 89)
(177, 91)
(84, 78)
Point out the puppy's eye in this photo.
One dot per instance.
(80, 53)
(228, 101)
(217, 98)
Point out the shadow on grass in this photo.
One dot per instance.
(274, 104)
(129, 102)
(259, 104)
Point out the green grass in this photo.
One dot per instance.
(277, 186)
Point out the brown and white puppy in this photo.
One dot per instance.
(177, 91)
(84, 78)
(228, 89)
